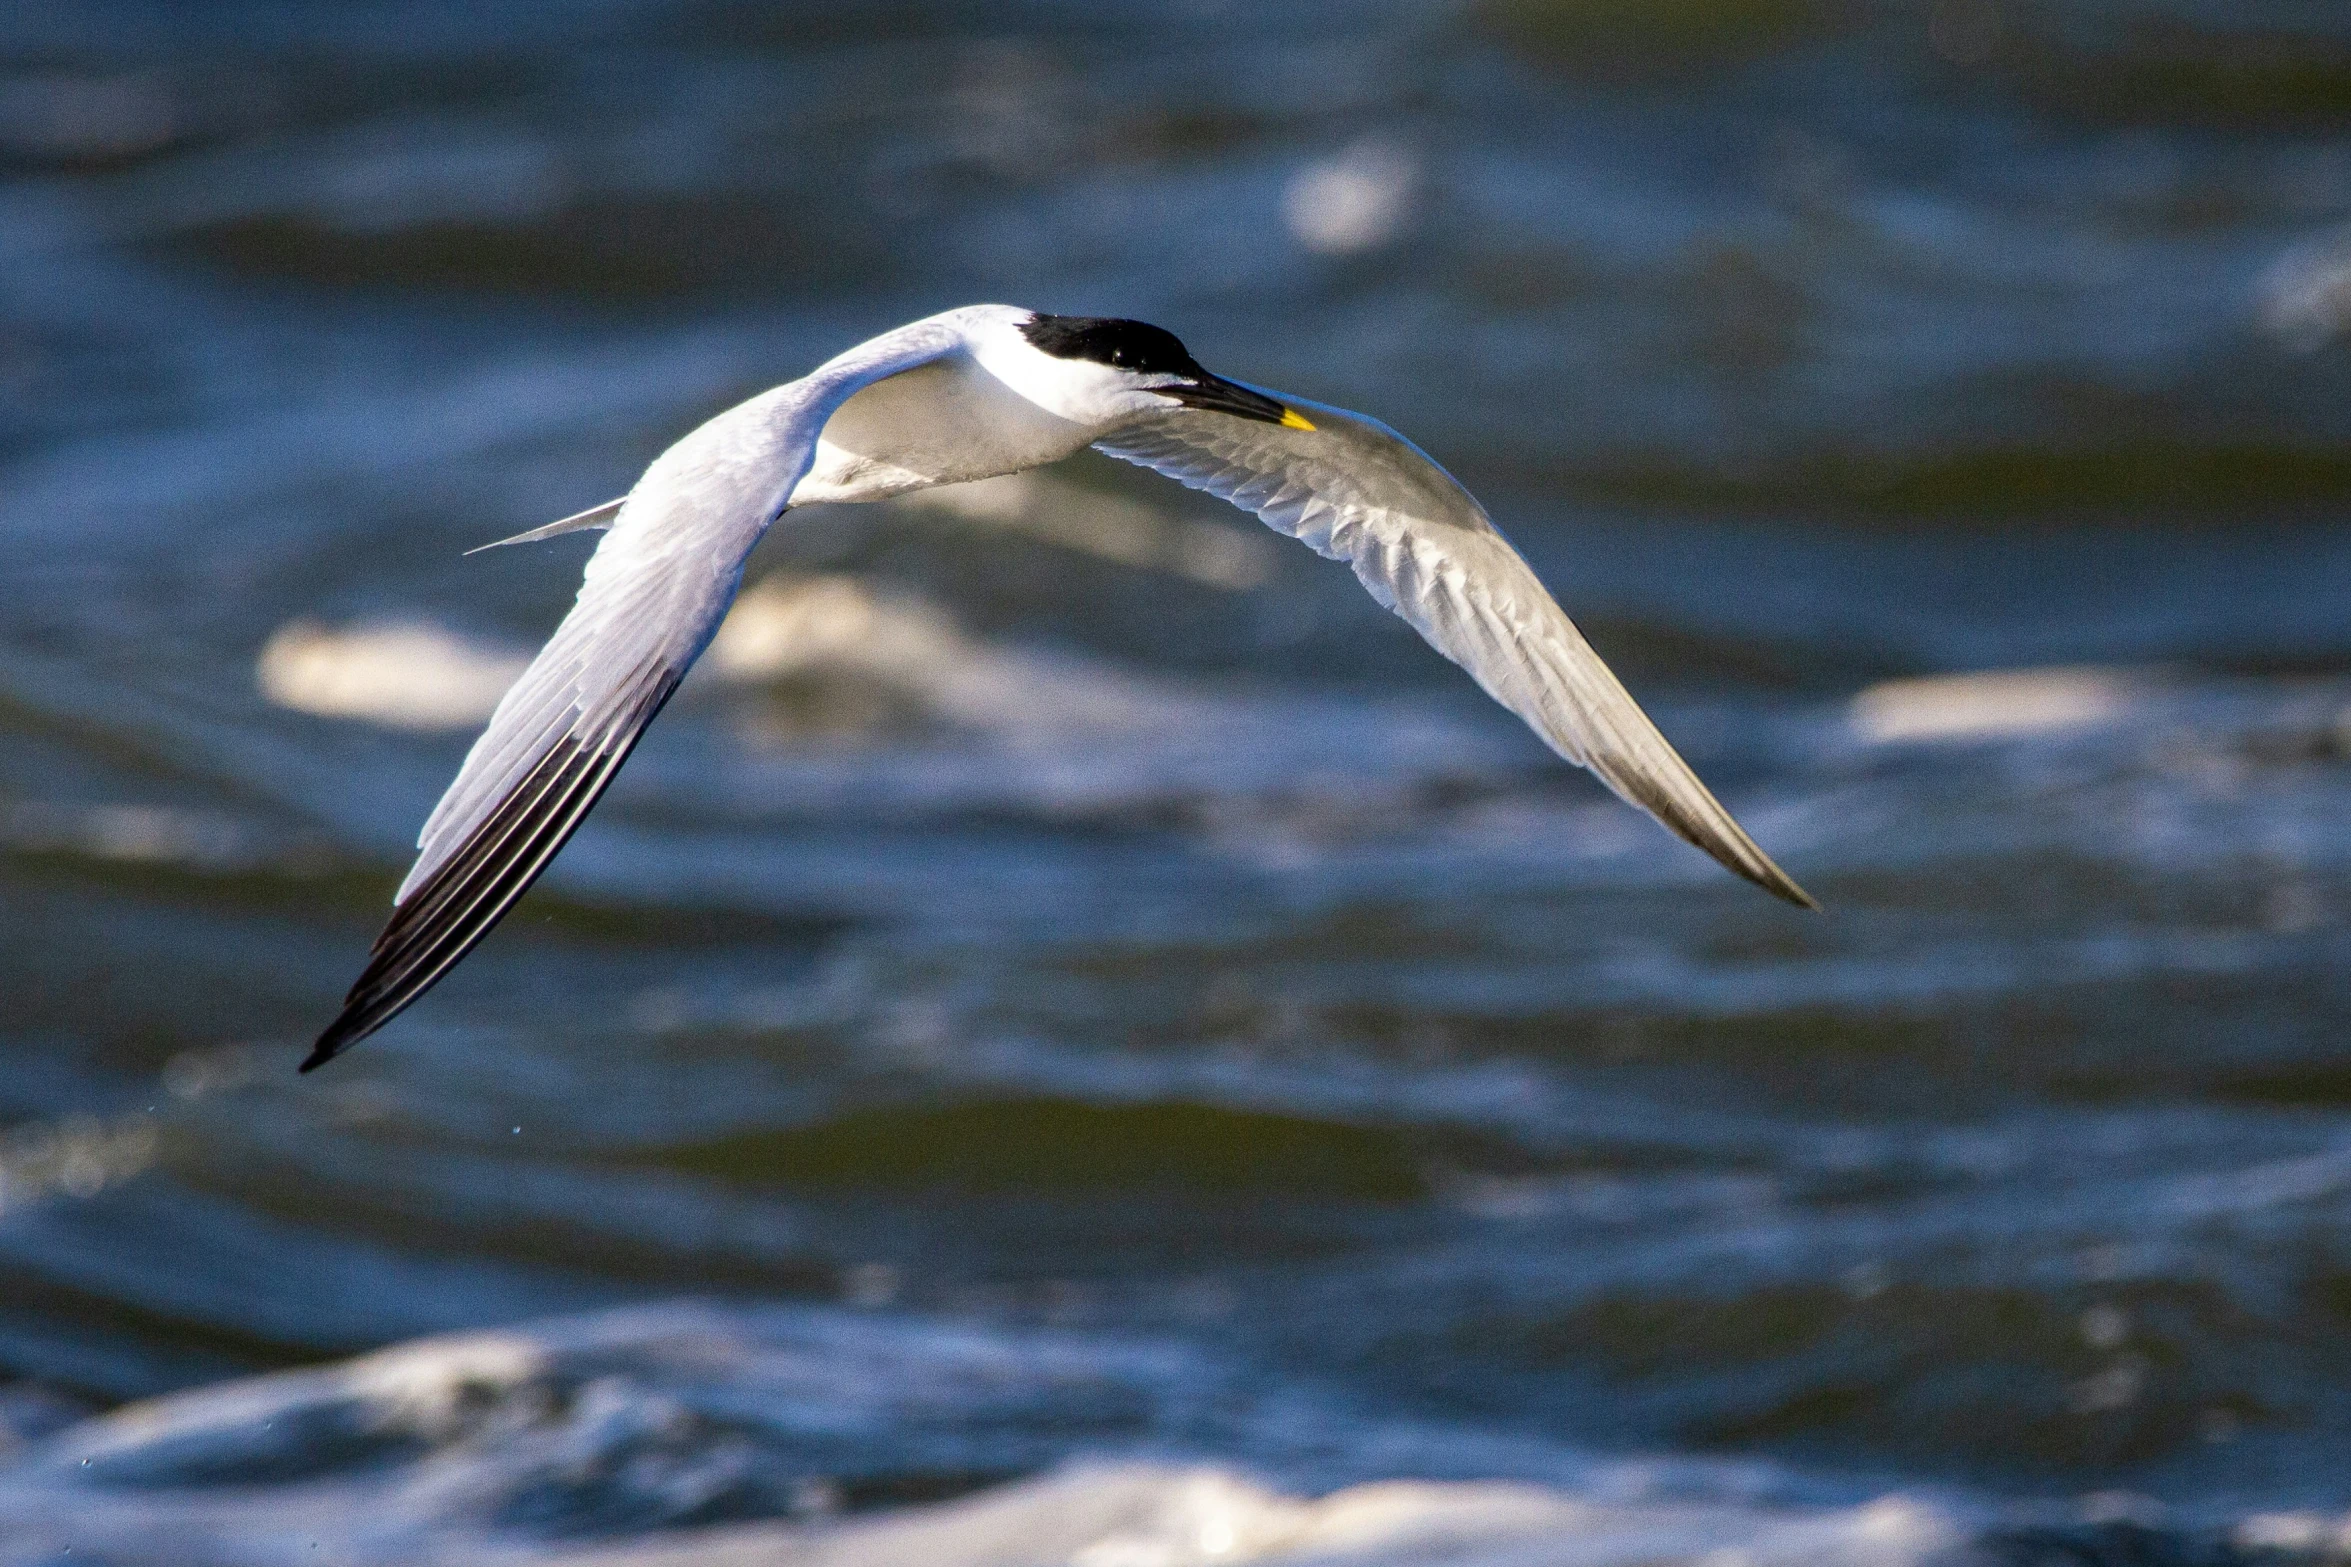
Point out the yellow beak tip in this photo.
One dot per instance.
(1292, 419)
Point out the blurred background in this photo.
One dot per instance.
(1077, 1021)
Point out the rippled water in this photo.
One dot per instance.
(1077, 1036)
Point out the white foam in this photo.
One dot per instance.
(1159, 1515)
(420, 676)
(1994, 704)
(2303, 299)
(508, 1446)
(1108, 527)
(153, 834)
(1354, 202)
(403, 675)
(786, 626)
(78, 1156)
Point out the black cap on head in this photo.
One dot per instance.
(1144, 349)
(1109, 340)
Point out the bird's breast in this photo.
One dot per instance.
(939, 423)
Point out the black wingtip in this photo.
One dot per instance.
(339, 1037)
(1719, 837)
(1768, 876)
(459, 903)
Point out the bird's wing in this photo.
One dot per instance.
(653, 595)
(1355, 490)
(578, 522)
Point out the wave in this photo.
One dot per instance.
(402, 675)
(696, 1433)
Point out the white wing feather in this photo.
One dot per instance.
(1355, 490)
(652, 596)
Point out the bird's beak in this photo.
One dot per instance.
(1230, 397)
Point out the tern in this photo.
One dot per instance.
(970, 394)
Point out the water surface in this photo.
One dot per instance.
(1072, 982)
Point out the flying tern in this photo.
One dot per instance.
(969, 394)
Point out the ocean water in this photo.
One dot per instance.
(1077, 1039)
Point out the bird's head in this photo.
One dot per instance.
(1105, 370)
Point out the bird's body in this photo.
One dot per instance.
(970, 394)
(939, 423)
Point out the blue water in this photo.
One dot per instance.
(1129, 957)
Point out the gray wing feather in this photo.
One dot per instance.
(1354, 490)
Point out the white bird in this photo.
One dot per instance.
(968, 394)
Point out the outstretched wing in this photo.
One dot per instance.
(653, 595)
(1356, 491)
